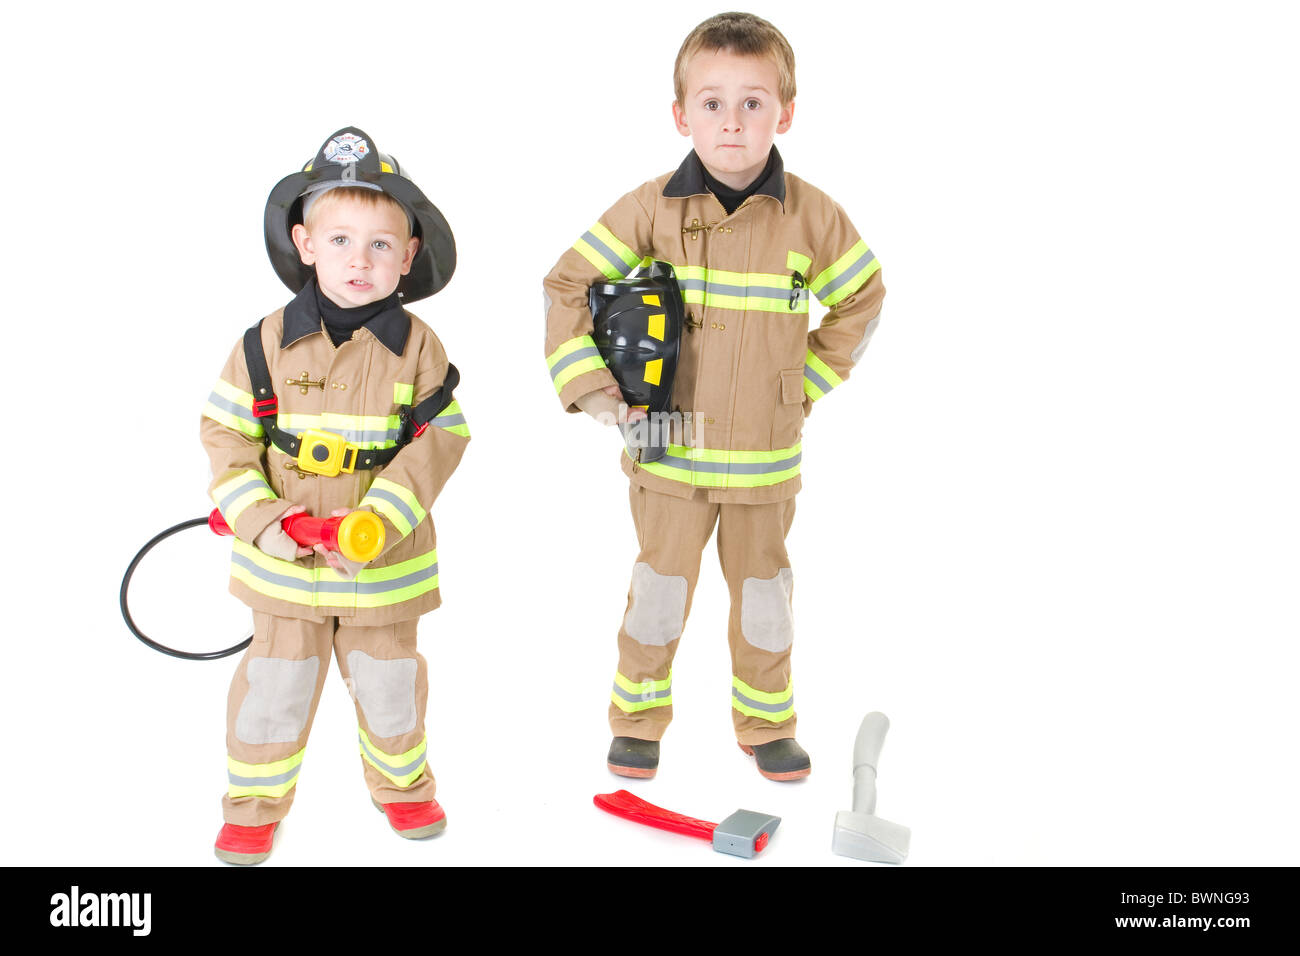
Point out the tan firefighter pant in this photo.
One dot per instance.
(273, 699)
(751, 546)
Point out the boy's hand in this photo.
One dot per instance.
(276, 543)
(632, 414)
(607, 407)
(343, 567)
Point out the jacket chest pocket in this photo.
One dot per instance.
(787, 417)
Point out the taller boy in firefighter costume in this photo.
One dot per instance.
(748, 243)
(341, 400)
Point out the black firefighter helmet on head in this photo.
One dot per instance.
(350, 156)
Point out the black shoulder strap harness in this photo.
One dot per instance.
(415, 419)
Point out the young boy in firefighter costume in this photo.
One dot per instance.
(748, 243)
(341, 400)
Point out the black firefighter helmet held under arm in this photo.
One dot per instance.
(637, 325)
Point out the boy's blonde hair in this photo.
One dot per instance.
(745, 35)
(357, 194)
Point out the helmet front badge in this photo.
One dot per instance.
(347, 148)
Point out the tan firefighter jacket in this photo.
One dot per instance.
(356, 390)
(748, 366)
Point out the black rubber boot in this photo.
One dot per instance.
(780, 759)
(633, 757)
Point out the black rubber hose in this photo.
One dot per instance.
(126, 613)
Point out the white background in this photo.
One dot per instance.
(1049, 527)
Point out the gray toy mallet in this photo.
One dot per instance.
(859, 833)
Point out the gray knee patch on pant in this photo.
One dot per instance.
(658, 610)
(386, 692)
(766, 620)
(279, 700)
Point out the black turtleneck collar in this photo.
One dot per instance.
(341, 322)
(732, 198)
(692, 179)
(385, 319)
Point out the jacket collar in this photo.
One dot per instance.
(689, 180)
(302, 318)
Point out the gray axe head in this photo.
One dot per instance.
(744, 833)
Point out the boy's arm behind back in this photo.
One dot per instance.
(610, 249)
(846, 278)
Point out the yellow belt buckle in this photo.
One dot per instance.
(324, 453)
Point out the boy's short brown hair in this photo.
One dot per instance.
(743, 34)
(358, 194)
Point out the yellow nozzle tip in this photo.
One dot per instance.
(361, 536)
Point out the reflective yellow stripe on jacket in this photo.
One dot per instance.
(846, 275)
(604, 250)
(232, 407)
(716, 468)
(752, 291)
(818, 377)
(324, 588)
(572, 359)
(238, 492)
(364, 431)
(452, 419)
(396, 503)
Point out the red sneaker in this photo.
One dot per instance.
(414, 821)
(244, 845)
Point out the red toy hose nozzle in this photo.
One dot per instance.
(358, 536)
